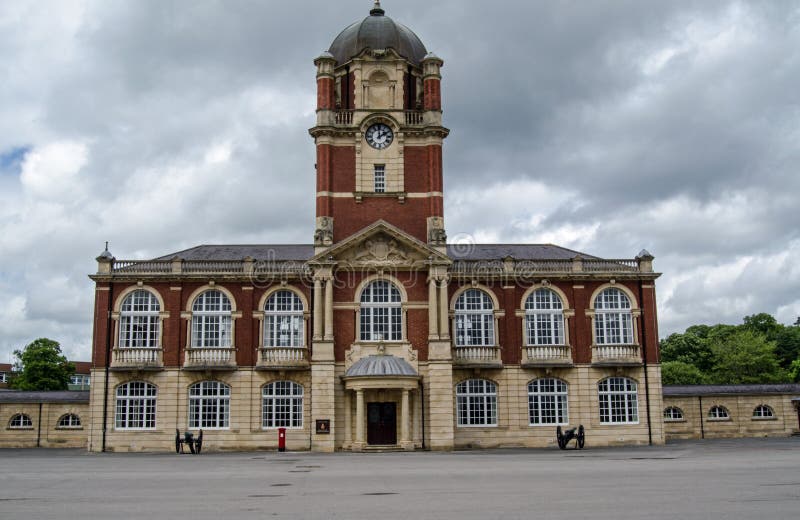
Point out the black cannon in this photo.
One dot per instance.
(563, 438)
(195, 445)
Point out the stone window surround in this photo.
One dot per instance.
(566, 312)
(497, 311)
(496, 396)
(117, 313)
(260, 314)
(188, 313)
(143, 397)
(635, 311)
(404, 306)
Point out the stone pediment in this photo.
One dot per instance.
(381, 245)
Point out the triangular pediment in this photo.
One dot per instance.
(381, 245)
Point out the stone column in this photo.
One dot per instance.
(358, 445)
(444, 329)
(329, 309)
(433, 325)
(318, 307)
(405, 419)
(348, 420)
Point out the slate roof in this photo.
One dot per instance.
(701, 390)
(373, 366)
(302, 252)
(43, 397)
(516, 251)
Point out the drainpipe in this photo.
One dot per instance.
(39, 428)
(646, 378)
(108, 362)
(702, 427)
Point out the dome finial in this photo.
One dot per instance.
(377, 10)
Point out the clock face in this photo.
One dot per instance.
(379, 136)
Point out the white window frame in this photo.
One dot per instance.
(548, 396)
(673, 414)
(283, 316)
(758, 412)
(381, 313)
(69, 421)
(20, 421)
(613, 318)
(3, 377)
(136, 406)
(619, 400)
(474, 319)
(719, 413)
(380, 178)
(209, 406)
(476, 404)
(140, 320)
(544, 318)
(282, 405)
(212, 320)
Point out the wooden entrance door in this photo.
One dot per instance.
(381, 424)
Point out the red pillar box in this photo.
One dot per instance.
(281, 439)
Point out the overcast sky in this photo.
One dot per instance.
(606, 127)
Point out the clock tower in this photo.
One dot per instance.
(379, 133)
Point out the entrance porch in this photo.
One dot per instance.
(381, 394)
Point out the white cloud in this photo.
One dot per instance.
(52, 171)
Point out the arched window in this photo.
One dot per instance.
(613, 320)
(476, 403)
(139, 320)
(136, 406)
(673, 413)
(211, 320)
(618, 401)
(474, 319)
(282, 405)
(209, 405)
(763, 411)
(69, 420)
(547, 402)
(20, 420)
(544, 318)
(719, 413)
(381, 312)
(283, 320)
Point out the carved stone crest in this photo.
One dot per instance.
(380, 249)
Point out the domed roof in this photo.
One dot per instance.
(377, 31)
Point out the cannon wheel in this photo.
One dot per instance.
(177, 441)
(560, 438)
(198, 444)
(581, 437)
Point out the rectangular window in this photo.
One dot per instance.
(3, 377)
(380, 178)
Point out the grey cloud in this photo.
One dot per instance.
(553, 97)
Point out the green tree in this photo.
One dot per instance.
(745, 357)
(41, 366)
(794, 371)
(689, 348)
(787, 345)
(762, 323)
(681, 373)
